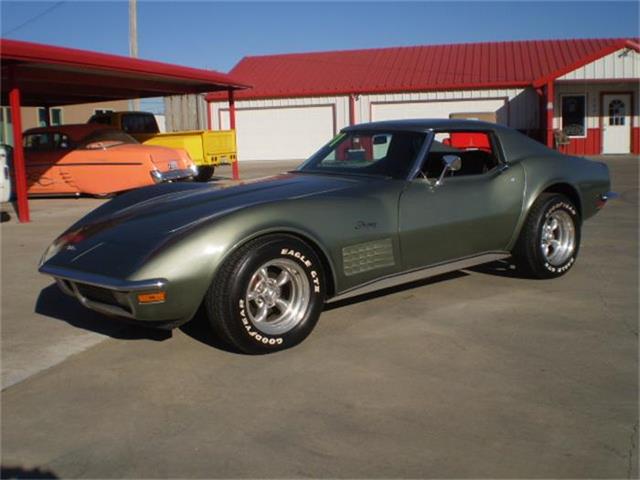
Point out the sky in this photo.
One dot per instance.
(216, 35)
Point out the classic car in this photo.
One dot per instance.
(96, 160)
(381, 204)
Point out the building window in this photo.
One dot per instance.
(616, 112)
(55, 116)
(102, 111)
(574, 115)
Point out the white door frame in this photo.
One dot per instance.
(604, 119)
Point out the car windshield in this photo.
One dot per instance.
(105, 139)
(387, 154)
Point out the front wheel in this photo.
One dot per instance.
(268, 295)
(550, 238)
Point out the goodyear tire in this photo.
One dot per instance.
(550, 238)
(268, 295)
(205, 172)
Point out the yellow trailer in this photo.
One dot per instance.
(207, 148)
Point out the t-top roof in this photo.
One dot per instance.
(419, 68)
(50, 75)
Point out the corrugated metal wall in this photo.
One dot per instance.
(185, 112)
(624, 63)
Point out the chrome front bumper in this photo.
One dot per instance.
(104, 294)
(172, 175)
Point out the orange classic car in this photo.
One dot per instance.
(96, 160)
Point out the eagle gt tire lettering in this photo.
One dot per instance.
(268, 295)
(550, 239)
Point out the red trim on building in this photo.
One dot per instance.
(635, 140)
(591, 144)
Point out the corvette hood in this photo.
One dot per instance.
(167, 209)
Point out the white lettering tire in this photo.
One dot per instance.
(267, 296)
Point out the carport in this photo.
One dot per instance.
(37, 75)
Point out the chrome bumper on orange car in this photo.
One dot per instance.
(173, 175)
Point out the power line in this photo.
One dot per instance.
(35, 17)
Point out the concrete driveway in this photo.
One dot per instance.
(475, 374)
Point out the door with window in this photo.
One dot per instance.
(43, 151)
(472, 211)
(616, 123)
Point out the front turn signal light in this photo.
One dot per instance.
(152, 297)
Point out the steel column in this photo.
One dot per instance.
(550, 113)
(19, 171)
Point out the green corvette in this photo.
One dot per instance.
(381, 204)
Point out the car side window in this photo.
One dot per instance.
(139, 123)
(61, 141)
(37, 142)
(476, 150)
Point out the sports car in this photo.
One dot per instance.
(381, 204)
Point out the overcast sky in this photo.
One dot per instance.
(218, 34)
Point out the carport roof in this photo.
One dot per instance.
(420, 68)
(51, 75)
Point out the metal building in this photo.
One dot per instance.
(578, 95)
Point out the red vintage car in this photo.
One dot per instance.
(97, 160)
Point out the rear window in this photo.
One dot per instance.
(106, 139)
(137, 123)
(37, 142)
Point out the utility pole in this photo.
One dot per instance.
(134, 104)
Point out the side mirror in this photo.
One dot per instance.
(452, 163)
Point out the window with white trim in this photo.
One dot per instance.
(55, 116)
(574, 115)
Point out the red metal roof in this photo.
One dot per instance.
(50, 75)
(429, 67)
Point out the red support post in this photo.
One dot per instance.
(232, 126)
(352, 109)
(47, 116)
(19, 171)
(550, 113)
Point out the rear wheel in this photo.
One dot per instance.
(268, 295)
(205, 172)
(550, 238)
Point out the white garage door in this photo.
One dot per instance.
(290, 133)
(398, 111)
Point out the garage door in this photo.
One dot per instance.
(291, 133)
(398, 111)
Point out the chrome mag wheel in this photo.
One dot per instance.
(558, 240)
(277, 296)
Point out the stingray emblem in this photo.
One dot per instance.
(362, 225)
